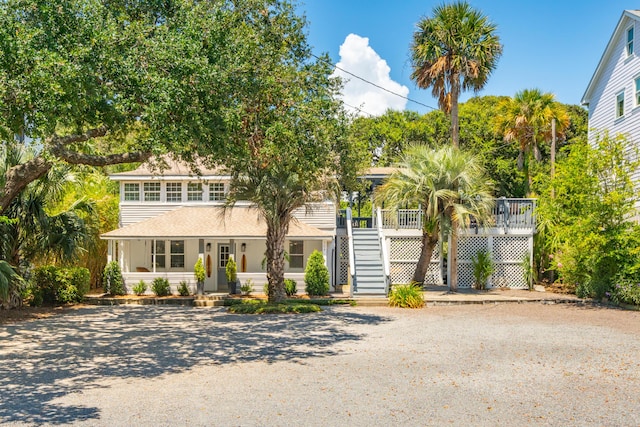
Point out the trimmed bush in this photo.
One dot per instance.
(161, 287)
(112, 280)
(290, 287)
(57, 285)
(198, 271)
(183, 289)
(316, 275)
(140, 288)
(406, 296)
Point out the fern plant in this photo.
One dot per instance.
(406, 296)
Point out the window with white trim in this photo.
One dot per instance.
(630, 41)
(217, 192)
(194, 192)
(177, 254)
(174, 192)
(131, 191)
(637, 87)
(296, 254)
(151, 191)
(619, 105)
(158, 254)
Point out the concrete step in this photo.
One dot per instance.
(208, 303)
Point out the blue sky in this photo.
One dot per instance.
(551, 45)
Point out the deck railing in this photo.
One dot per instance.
(506, 213)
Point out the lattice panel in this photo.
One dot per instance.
(343, 260)
(401, 272)
(409, 249)
(469, 246)
(434, 276)
(509, 275)
(405, 249)
(510, 248)
(465, 276)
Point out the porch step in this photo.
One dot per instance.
(210, 300)
(369, 277)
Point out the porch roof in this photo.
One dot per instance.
(201, 222)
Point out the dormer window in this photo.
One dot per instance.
(151, 191)
(131, 191)
(630, 41)
(217, 192)
(194, 192)
(174, 192)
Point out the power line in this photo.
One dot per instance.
(371, 83)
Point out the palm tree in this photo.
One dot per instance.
(526, 119)
(454, 50)
(450, 187)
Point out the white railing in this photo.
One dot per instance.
(385, 253)
(352, 256)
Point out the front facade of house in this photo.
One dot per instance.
(171, 218)
(613, 94)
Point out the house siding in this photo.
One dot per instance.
(617, 74)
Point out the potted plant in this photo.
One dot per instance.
(232, 275)
(199, 273)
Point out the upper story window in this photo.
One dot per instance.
(630, 41)
(637, 86)
(217, 192)
(131, 191)
(174, 192)
(619, 105)
(296, 254)
(151, 191)
(194, 192)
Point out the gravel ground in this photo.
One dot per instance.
(506, 364)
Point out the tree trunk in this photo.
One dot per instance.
(276, 234)
(453, 258)
(429, 242)
(455, 127)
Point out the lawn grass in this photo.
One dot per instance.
(293, 305)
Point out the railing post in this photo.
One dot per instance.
(352, 257)
(385, 254)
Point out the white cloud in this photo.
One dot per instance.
(357, 57)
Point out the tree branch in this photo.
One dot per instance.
(19, 176)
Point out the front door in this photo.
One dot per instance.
(224, 249)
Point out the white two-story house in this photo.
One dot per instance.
(613, 93)
(170, 218)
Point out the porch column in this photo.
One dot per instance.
(153, 255)
(109, 251)
(121, 254)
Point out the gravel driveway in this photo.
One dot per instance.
(508, 364)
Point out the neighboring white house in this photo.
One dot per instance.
(613, 94)
(170, 218)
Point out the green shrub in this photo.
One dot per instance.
(316, 275)
(625, 293)
(265, 288)
(483, 268)
(112, 279)
(247, 288)
(406, 296)
(183, 289)
(160, 286)
(198, 271)
(231, 270)
(140, 288)
(56, 285)
(290, 287)
(263, 307)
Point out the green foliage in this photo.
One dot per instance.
(263, 307)
(483, 268)
(247, 287)
(316, 275)
(231, 270)
(625, 293)
(183, 289)
(290, 287)
(140, 288)
(59, 285)
(112, 280)
(584, 232)
(161, 287)
(7, 273)
(406, 296)
(530, 273)
(198, 271)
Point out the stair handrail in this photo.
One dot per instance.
(352, 256)
(385, 253)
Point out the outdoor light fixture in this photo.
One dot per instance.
(208, 247)
(243, 247)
